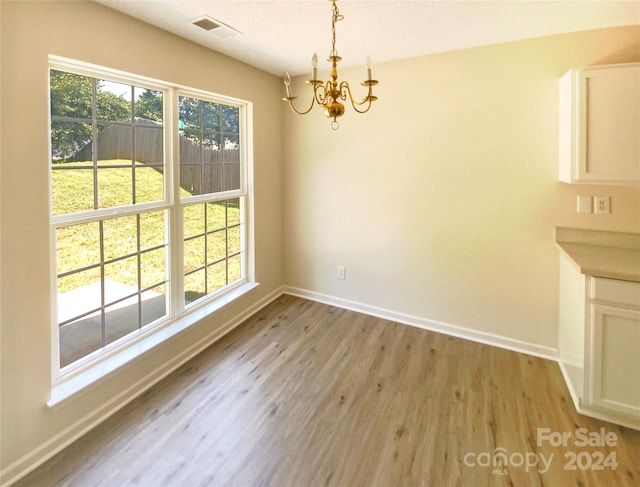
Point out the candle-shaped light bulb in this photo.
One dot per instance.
(287, 84)
(368, 61)
(314, 65)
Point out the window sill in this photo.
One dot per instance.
(77, 382)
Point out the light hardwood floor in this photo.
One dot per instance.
(305, 394)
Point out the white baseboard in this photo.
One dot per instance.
(569, 380)
(609, 416)
(500, 341)
(56, 444)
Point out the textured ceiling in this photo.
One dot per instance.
(281, 35)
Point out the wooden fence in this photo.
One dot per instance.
(202, 169)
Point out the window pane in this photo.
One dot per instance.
(152, 229)
(120, 237)
(190, 146)
(72, 190)
(189, 112)
(154, 304)
(194, 220)
(233, 241)
(114, 144)
(235, 268)
(121, 279)
(216, 217)
(149, 144)
(211, 116)
(149, 157)
(71, 141)
(231, 148)
(194, 254)
(71, 95)
(190, 175)
(233, 211)
(216, 246)
(121, 319)
(149, 184)
(115, 187)
(78, 293)
(216, 276)
(231, 179)
(231, 120)
(152, 268)
(113, 101)
(211, 179)
(148, 105)
(80, 338)
(194, 286)
(77, 246)
(211, 143)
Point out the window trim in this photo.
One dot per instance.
(75, 377)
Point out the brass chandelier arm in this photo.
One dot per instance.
(320, 91)
(290, 100)
(319, 96)
(345, 90)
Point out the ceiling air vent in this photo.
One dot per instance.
(220, 29)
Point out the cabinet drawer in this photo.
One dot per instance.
(614, 291)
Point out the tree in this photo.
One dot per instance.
(149, 105)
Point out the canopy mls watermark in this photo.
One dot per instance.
(500, 459)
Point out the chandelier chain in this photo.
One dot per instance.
(336, 17)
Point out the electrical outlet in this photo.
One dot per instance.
(602, 205)
(340, 272)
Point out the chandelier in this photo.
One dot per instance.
(328, 95)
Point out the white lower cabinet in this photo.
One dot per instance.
(602, 364)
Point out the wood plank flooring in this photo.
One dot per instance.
(305, 394)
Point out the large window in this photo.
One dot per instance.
(148, 210)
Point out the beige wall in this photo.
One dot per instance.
(442, 201)
(92, 33)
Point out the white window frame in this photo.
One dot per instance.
(74, 377)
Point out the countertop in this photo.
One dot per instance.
(612, 255)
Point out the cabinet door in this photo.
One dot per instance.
(611, 124)
(600, 125)
(615, 359)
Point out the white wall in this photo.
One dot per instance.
(90, 32)
(442, 200)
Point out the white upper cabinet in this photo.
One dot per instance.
(600, 125)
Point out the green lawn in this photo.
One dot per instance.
(73, 191)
